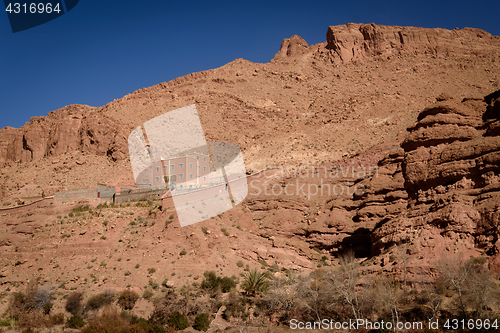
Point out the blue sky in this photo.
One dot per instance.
(104, 49)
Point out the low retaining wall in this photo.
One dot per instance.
(82, 193)
(136, 195)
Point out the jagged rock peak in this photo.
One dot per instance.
(292, 46)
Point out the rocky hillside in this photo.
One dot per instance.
(357, 160)
(365, 82)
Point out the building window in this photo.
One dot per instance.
(172, 167)
(190, 186)
(204, 168)
(157, 169)
(197, 157)
(204, 159)
(190, 166)
(181, 176)
(181, 186)
(204, 179)
(157, 179)
(181, 166)
(190, 176)
(165, 168)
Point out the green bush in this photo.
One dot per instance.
(75, 322)
(127, 299)
(201, 323)
(226, 284)
(240, 263)
(151, 270)
(178, 321)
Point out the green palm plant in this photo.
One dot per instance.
(255, 282)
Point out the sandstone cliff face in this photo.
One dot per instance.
(352, 41)
(75, 127)
(440, 191)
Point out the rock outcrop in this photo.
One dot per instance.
(361, 41)
(443, 190)
(72, 127)
(292, 46)
(439, 192)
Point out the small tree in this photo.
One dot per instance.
(344, 281)
(455, 273)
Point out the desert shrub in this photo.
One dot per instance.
(151, 270)
(201, 322)
(274, 268)
(240, 263)
(33, 299)
(226, 284)
(255, 282)
(235, 306)
(212, 282)
(55, 319)
(147, 294)
(31, 319)
(112, 321)
(75, 322)
(19, 303)
(141, 324)
(183, 252)
(153, 284)
(74, 303)
(97, 301)
(178, 321)
(127, 299)
(47, 307)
